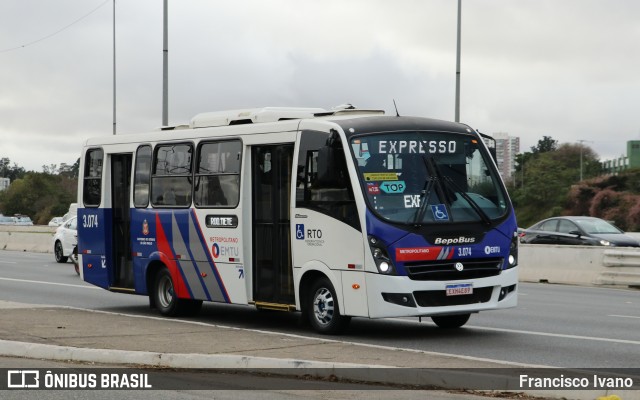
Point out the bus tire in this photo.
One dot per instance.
(166, 300)
(323, 310)
(451, 321)
(59, 253)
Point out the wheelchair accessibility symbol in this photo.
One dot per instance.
(439, 212)
(299, 231)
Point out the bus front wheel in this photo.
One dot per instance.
(451, 321)
(167, 302)
(323, 310)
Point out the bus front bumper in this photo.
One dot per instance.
(399, 296)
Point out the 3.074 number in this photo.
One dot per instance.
(90, 221)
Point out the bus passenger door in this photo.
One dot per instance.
(272, 265)
(120, 195)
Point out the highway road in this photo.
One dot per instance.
(554, 325)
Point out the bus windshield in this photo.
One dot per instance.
(421, 178)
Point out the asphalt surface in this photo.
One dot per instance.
(32, 330)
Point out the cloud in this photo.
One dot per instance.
(530, 68)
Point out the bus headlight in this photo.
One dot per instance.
(384, 267)
(512, 260)
(381, 256)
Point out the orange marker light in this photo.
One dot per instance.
(355, 286)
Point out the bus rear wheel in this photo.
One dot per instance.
(167, 302)
(323, 310)
(451, 321)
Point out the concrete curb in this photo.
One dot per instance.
(291, 367)
(154, 359)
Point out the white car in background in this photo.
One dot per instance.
(56, 221)
(65, 239)
(5, 220)
(23, 220)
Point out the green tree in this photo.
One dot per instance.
(70, 171)
(546, 176)
(41, 196)
(7, 171)
(546, 144)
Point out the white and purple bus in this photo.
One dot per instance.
(336, 214)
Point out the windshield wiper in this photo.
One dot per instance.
(431, 181)
(450, 183)
(451, 188)
(424, 199)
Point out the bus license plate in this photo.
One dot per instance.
(459, 289)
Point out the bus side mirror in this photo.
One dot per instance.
(491, 145)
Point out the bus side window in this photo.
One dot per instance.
(142, 177)
(92, 186)
(218, 174)
(323, 179)
(171, 176)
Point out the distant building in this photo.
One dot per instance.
(4, 183)
(631, 160)
(506, 149)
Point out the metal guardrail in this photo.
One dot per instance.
(622, 267)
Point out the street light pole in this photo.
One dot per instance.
(458, 62)
(114, 67)
(580, 161)
(581, 148)
(165, 70)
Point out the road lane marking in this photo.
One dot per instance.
(558, 335)
(8, 262)
(534, 333)
(51, 283)
(623, 316)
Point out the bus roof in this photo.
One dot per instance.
(345, 115)
(271, 114)
(246, 117)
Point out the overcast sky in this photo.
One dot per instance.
(567, 69)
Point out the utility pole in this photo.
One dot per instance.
(581, 148)
(458, 62)
(165, 69)
(114, 67)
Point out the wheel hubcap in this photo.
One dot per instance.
(323, 308)
(165, 291)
